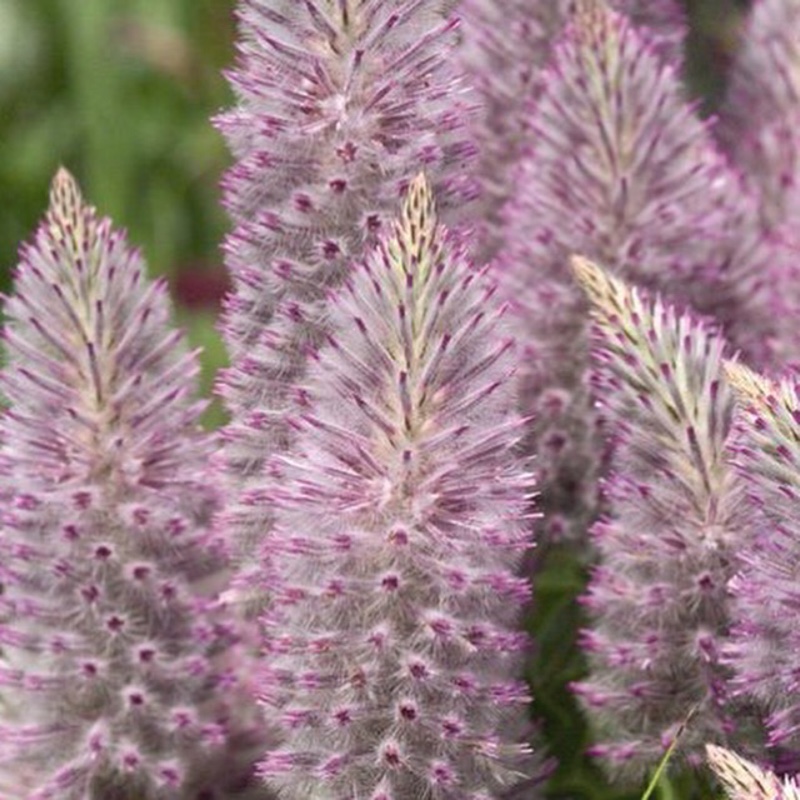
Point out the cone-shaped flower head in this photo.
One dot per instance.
(392, 643)
(621, 170)
(506, 45)
(760, 122)
(104, 528)
(743, 780)
(667, 549)
(340, 103)
(766, 642)
(615, 143)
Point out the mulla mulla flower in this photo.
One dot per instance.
(744, 780)
(621, 170)
(765, 641)
(669, 544)
(506, 47)
(760, 121)
(108, 653)
(339, 105)
(760, 129)
(392, 644)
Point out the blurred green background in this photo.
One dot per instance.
(120, 92)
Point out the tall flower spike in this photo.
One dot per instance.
(764, 649)
(340, 104)
(506, 46)
(760, 128)
(619, 169)
(401, 518)
(668, 547)
(104, 529)
(744, 780)
(760, 122)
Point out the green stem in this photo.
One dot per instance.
(662, 765)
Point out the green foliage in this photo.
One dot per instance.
(120, 93)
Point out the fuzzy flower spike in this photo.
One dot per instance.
(744, 780)
(658, 600)
(760, 120)
(507, 45)
(765, 648)
(107, 651)
(620, 169)
(760, 128)
(340, 103)
(401, 519)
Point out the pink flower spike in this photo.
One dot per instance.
(409, 450)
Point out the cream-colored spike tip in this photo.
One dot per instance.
(744, 780)
(747, 384)
(594, 280)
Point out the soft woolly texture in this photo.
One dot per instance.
(339, 105)
(107, 649)
(744, 780)
(760, 119)
(760, 129)
(391, 647)
(766, 643)
(621, 170)
(506, 46)
(668, 547)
